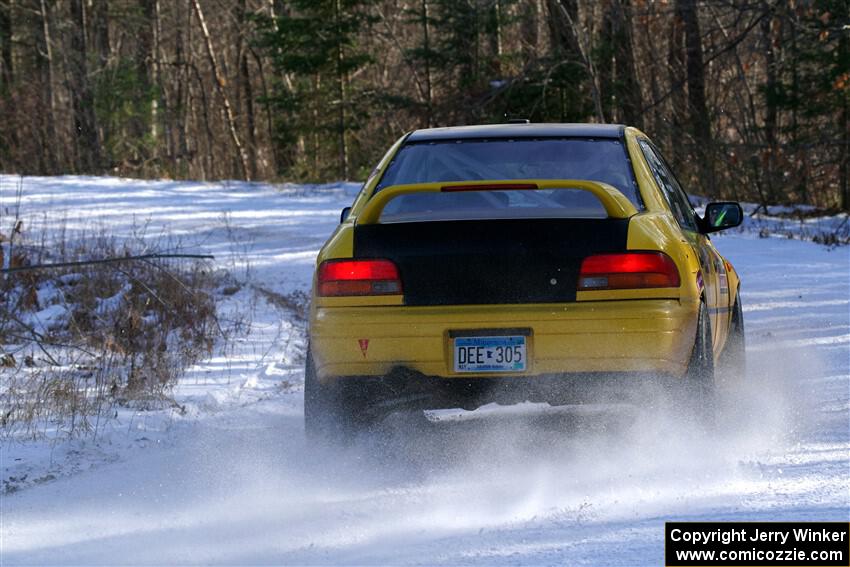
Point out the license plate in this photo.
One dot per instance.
(489, 354)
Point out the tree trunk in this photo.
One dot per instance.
(801, 156)
(100, 32)
(100, 46)
(529, 33)
(147, 68)
(178, 148)
(496, 39)
(628, 88)
(696, 72)
(770, 110)
(317, 83)
(6, 70)
(82, 97)
(218, 79)
(648, 33)
(605, 61)
(426, 43)
(698, 110)
(158, 96)
(247, 91)
(196, 90)
(50, 142)
(272, 146)
(340, 84)
(676, 67)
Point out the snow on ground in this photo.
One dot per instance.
(266, 236)
(231, 479)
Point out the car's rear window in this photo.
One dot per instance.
(596, 159)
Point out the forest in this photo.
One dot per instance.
(747, 98)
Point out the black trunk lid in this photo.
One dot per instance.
(490, 261)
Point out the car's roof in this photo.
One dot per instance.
(518, 131)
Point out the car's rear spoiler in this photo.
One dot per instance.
(616, 204)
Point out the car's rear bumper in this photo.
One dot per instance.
(635, 336)
(404, 390)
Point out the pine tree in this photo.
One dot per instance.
(812, 85)
(316, 44)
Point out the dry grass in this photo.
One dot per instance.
(77, 341)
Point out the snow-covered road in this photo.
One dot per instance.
(234, 482)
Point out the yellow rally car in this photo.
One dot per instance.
(503, 263)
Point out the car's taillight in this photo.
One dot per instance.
(358, 277)
(628, 271)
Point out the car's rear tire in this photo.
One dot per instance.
(317, 403)
(329, 414)
(732, 365)
(699, 379)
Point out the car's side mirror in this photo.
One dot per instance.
(720, 216)
(344, 214)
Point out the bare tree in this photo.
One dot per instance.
(219, 84)
(6, 68)
(697, 109)
(85, 136)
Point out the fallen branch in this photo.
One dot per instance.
(143, 257)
